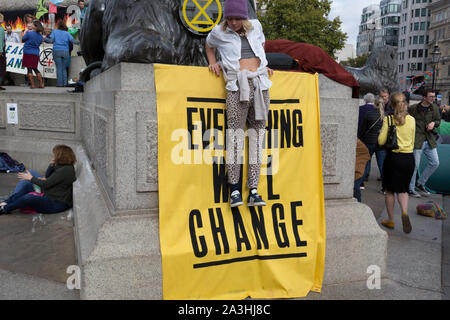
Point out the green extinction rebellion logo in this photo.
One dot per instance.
(200, 16)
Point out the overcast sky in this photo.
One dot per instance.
(350, 13)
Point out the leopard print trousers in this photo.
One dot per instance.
(238, 114)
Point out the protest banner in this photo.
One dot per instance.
(210, 250)
(14, 56)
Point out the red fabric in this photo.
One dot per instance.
(31, 210)
(313, 59)
(30, 61)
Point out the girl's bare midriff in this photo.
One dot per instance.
(251, 64)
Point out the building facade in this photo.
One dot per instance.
(439, 34)
(390, 23)
(413, 49)
(370, 23)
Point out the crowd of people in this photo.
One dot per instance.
(415, 131)
(33, 36)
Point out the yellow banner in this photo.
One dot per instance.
(209, 250)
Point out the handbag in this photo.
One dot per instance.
(431, 209)
(391, 141)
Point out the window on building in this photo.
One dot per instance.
(423, 25)
(415, 40)
(416, 26)
(419, 66)
(424, 12)
(414, 53)
(417, 13)
(421, 39)
(420, 53)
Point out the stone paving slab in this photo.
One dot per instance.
(24, 287)
(415, 259)
(389, 290)
(44, 253)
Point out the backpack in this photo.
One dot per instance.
(431, 209)
(8, 164)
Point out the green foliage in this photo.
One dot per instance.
(302, 21)
(357, 62)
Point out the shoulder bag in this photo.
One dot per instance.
(391, 141)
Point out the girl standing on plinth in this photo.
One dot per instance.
(240, 43)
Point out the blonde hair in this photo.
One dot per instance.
(1, 18)
(247, 25)
(400, 107)
(379, 104)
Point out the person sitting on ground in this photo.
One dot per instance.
(398, 166)
(57, 186)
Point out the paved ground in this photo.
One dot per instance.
(34, 254)
(446, 251)
(33, 264)
(418, 264)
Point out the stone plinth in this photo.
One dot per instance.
(118, 239)
(119, 132)
(49, 113)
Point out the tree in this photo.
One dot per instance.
(357, 62)
(302, 21)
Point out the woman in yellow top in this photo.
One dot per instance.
(398, 166)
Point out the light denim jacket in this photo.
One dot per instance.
(228, 43)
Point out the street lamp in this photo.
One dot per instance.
(435, 57)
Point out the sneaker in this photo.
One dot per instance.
(361, 186)
(422, 189)
(235, 199)
(254, 199)
(414, 194)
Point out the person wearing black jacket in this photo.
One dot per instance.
(368, 133)
(445, 113)
(56, 186)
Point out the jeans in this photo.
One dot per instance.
(38, 203)
(380, 155)
(357, 188)
(61, 58)
(25, 186)
(433, 164)
(21, 199)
